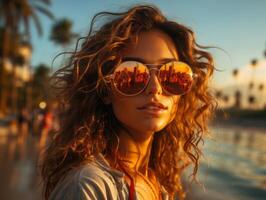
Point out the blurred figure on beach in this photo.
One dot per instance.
(46, 126)
(23, 121)
(22, 128)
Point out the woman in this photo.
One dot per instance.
(135, 105)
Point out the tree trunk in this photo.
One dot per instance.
(3, 90)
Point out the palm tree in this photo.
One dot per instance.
(261, 88)
(40, 84)
(251, 85)
(237, 99)
(15, 23)
(265, 51)
(235, 73)
(251, 100)
(237, 92)
(254, 63)
(61, 32)
(218, 94)
(226, 99)
(17, 14)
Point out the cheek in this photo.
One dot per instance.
(173, 110)
(119, 110)
(123, 109)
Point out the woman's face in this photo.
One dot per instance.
(137, 116)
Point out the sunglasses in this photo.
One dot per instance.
(130, 78)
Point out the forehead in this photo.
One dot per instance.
(152, 46)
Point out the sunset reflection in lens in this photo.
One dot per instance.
(176, 77)
(131, 77)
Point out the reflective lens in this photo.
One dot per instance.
(176, 77)
(131, 77)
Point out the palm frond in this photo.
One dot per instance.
(44, 11)
(26, 25)
(37, 23)
(46, 2)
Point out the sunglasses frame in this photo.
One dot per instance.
(111, 76)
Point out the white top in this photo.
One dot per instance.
(93, 181)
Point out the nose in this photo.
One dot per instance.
(154, 86)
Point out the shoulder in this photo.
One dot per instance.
(89, 181)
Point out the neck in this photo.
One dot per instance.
(134, 152)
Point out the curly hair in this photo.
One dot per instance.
(88, 126)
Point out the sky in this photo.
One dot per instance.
(236, 27)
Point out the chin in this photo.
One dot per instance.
(153, 126)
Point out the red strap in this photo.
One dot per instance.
(132, 185)
(131, 190)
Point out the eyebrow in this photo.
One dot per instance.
(160, 61)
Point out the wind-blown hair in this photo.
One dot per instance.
(88, 126)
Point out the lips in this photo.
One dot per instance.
(153, 106)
